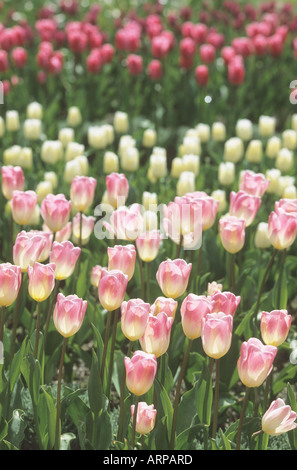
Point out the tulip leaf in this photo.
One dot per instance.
(95, 391)
(185, 439)
(16, 364)
(204, 396)
(292, 435)
(31, 371)
(16, 428)
(164, 405)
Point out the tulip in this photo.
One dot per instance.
(126, 223)
(82, 192)
(173, 277)
(232, 233)
(220, 196)
(261, 236)
(273, 146)
(34, 110)
(225, 302)
(253, 183)
(213, 287)
(275, 326)
(52, 151)
(182, 217)
(255, 362)
(55, 211)
(140, 372)
(32, 129)
(110, 162)
(120, 122)
(68, 314)
(23, 205)
(82, 228)
(254, 151)
(218, 131)
(148, 244)
(233, 150)
(282, 229)
(73, 150)
(186, 182)
(74, 117)
(155, 69)
(64, 255)
(122, 258)
(202, 75)
(266, 126)
(112, 288)
(41, 281)
(149, 201)
(96, 275)
(146, 417)
(279, 418)
(284, 160)
(48, 238)
(209, 207)
(164, 304)
(27, 249)
(244, 206)
(117, 187)
(289, 139)
(134, 64)
(216, 334)
(10, 282)
(130, 159)
(156, 337)
(193, 309)
(12, 121)
(12, 180)
(226, 173)
(66, 135)
(149, 138)
(97, 137)
(244, 129)
(134, 318)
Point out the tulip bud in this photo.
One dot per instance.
(290, 192)
(52, 178)
(148, 244)
(273, 146)
(273, 175)
(76, 167)
(255, 362)
(64, 256)
(149, 201)
(22, 206)
(213, 287)
(253, 183)
(34, 110)
(149, 138)
(146, 417)
(112, 288)
(43, 189)
(193, 309)
(218, 132)
(10, 282)
(226, 173)
(203, 132)
(220, 196)
(244, 206)
(284, 160)
(134, 318)
(110, 162)
(261, 236)
(225, 302)
(266, 126)
(140, 372)
(82, 192)
(177, 166)
(166, 305)
(275, 326)
(66, 135)
(122, 258)
(186, 183)
(216, 334)
(282, 229)
(12, 180)
(41, 281)
(289, 138)
(279, 418)
(120, 122)
(68, 314)
(74, 117)
(51, 151)
(130, 159)
(96, 275)
(233, 150)
(55, 211)
(156, 337)
(27, 249)
(73, 150)
(244, 129)
(191, 163)
(173, 277)
(232, 233)
(32, 129)
(12, 121)
(158, 166)
(254, 151)
(117, 187)
(97, 137)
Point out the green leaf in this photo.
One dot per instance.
(30, 368)
(225, 443)
(16, 364)
(185, 439)
(16, 428)
(292, 435)
(164, 405)
(3, 428)
(204, 396)
(51, 418)
(95, 391)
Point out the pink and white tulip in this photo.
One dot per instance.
(68, 314)
(282, 229)
(279, 418)
(23, 205)
(216, 334)
(112, 288)
(244, 206)
(173, 277)
(64, 255)
(48, 237)
(253, 183)
(117, 188)
(55, 211)
(226, 302)
(122, 258)
(12, 180)
(146, 417)
(232, 233)
(164, 304)
(141, 370)
(27, 249)
(82, 192)
(148, 245)
(156, 337)
(82, 229)
(96, 275)
(275, 326)
(126, 223)
(209, 207)
(134, 317)
(10, 282)
(193, 309)
(41, 281)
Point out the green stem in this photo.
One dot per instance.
(57, 438)
(263, 281)
(113, 339)
(178, 247)
(50, 310)
(244, 405)
(232, 273)
(37, 330)
(267, 390)
(216, 400)
(16, 317)
(122, 397)
(141, 276)
(282, 266)
(177, 394)
(107, 331)
(2, 321)
(148, 282)
(134, 422)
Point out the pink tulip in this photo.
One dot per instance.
(209, 207)
(64, 255)
(148, 244)
(255, 362)
(156, 337)
(10, 282)
(216, 334)
(55, 211)
(275, 326)
(164, 304)
(226, 302)
(68, 314)
(112, 288)
(122, 258)
(193, 309)
(253, 183)
(27, 249)
(117, 187)
(41, 281)
(282, 229)
(23, 204)
(173, 277)
(84, 230)
(146, 417)
(279, 418)
(12, 180)
(182, 217)
(82, 192)
(134, 317)
(288, 206)
(126, 223)
(232, 233)
(48, 237)
(140, 372)
(244, 206)
(96, 275)
(213, 287)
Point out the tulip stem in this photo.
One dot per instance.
(122, 397)
(57, 438)
(263, 281)
(141, 276)
(282, 266)
(107, 330)
(148, 282)
(16, 317)
(216, 400)
(2, 321)
(37, 330)
(232, 273)
(244, 405)
(267, 389)
(113, 339)
(178, 247)
(134, 422)
(50, 311)
(177, 394)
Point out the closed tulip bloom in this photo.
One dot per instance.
(110, 162)
(12, 180)
(275, 326)
(64, 255)
(226, 173)
(134, 317)
(146, 417)
(261, 236)
(121, 122)
(10, 282)
(193, 309)
(55, 211)
(279, 418)
(255, 362)
(12, 120)
(122, 258)
(173, 277)
(68, 314)
(148, 244)
(27, 249)
(182, 217)
(164, 304)
(216, 334)
(266, 126)
(82, 192)
(254, 151)
(213, 287)
(225, 302)
(48, 237)
(233, 150)
(253, 183)
(140, 372)
(64, 233)
(282, 229)
(41, 281)
(126, 223)
(112, 288)
(23, 205)
(286, 205)
(244, 206)
(156, 337)
(87, 227)
(232, 233)
(117, 187)
(209, 207)
(284, 160)
(244, 129)
(96, 275)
